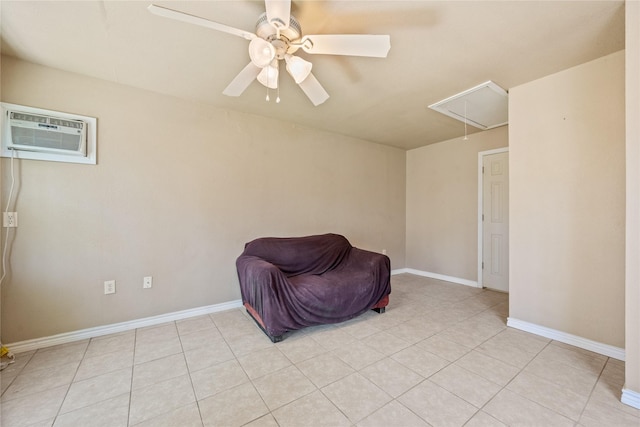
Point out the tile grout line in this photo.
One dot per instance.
(595, 384)
(451, 363)
(133, 366)
(66, 394)
(186, 364)
(442, 368)
(475, 349)
(533, 401)
(515, 376)
(17, 374)
(250, 381)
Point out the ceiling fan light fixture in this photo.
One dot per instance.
(269, 75)
(277, 36)
(261, 52)
(298, 68)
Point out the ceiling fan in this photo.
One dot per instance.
(277, 37)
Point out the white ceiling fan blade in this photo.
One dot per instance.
(242, 80)
(192, 19)
(278, 12)
(314, 90)
(348, 44)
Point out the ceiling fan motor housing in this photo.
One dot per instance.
(283, 45)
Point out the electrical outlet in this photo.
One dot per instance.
(384, 252)
(147, 282)
(10, 219)
(110, 287)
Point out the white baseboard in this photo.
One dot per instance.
(574, 340)
(631, 398)
(437, 276)
(34, 344)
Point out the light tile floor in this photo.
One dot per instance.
(441, 355)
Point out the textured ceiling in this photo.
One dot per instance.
(438, 48)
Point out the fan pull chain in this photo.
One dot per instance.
(278, 89)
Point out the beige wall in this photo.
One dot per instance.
(178, 189)
(442, 204)
(567, 201)
(632, 297)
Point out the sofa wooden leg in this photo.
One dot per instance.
(273, 339)
(379, 310)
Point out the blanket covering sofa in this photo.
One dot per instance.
(291, 283)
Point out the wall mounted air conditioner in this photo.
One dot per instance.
(34, 132)
(39, 134)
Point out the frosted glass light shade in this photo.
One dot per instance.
(269, 76)
(261, 52)
(298, 68)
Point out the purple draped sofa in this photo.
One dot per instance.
(291, 283)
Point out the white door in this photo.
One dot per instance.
(495, 224)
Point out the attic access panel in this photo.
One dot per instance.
(484, 106)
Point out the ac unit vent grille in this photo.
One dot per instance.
(66, 123)
(28, 117)
(76, 124)
(34, 132)
(46, 139)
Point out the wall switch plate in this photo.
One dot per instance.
(147, 282)
(110, 287)
(10, 219)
